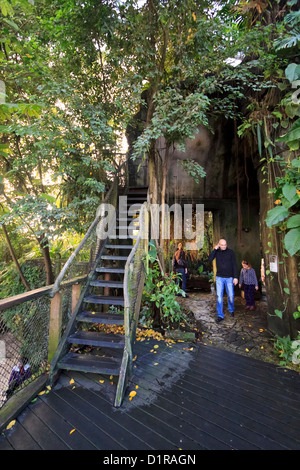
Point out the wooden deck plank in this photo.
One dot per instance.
(99, 419)
(5, 445)
(151, 438)
(80, 423)
(234, 405)
(251, 371)
(207, 424)
(119, 429)
(231, 385)
(226, 382)
(217, 424)
(230, 421)
(189, 397)
(195, 431)
(59, 426)
(40, 432)
(18, 438)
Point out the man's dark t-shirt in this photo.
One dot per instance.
(226, 262)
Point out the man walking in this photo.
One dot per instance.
(227, 276)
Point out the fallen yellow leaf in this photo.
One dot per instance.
(101, 381)
(72, 381)
(71, 432)
(132, 394)
(11, 424)
(42, 392)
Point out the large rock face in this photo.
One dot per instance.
(234, 191)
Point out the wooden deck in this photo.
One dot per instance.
(189, 397)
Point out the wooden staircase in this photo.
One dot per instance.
(85, 346)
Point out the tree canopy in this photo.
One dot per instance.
(76, 73)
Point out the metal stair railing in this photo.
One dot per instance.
(111, 199)
(134, 278)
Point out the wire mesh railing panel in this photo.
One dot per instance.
(24, 345)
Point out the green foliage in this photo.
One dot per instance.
(292, 36)
(10, 280)
(176, 117)
(285, 189)
(288, 350)
(75, 73)
(160, 291)
(287, 198)
(193, 169)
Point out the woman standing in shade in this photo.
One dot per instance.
(179, 266)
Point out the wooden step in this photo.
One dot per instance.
(102, 318)
(104, 299)
(90, 363)
(94, 338)
(119, 247)
(112, 284)
(103, 269)
(139, 190)
(114, 257)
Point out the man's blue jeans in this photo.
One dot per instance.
(228, 283)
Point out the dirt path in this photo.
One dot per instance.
(246, 333)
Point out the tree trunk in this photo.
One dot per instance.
(14, 258)
(284, 270)
(47, 260)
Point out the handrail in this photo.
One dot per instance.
(129, 326)
(78, 249)
(87, 235)
(129, 259)
(18, 299)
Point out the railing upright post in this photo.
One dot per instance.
(55, 324)
(76, 288)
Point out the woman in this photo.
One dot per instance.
(179, 266)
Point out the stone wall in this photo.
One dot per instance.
(216, 152)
